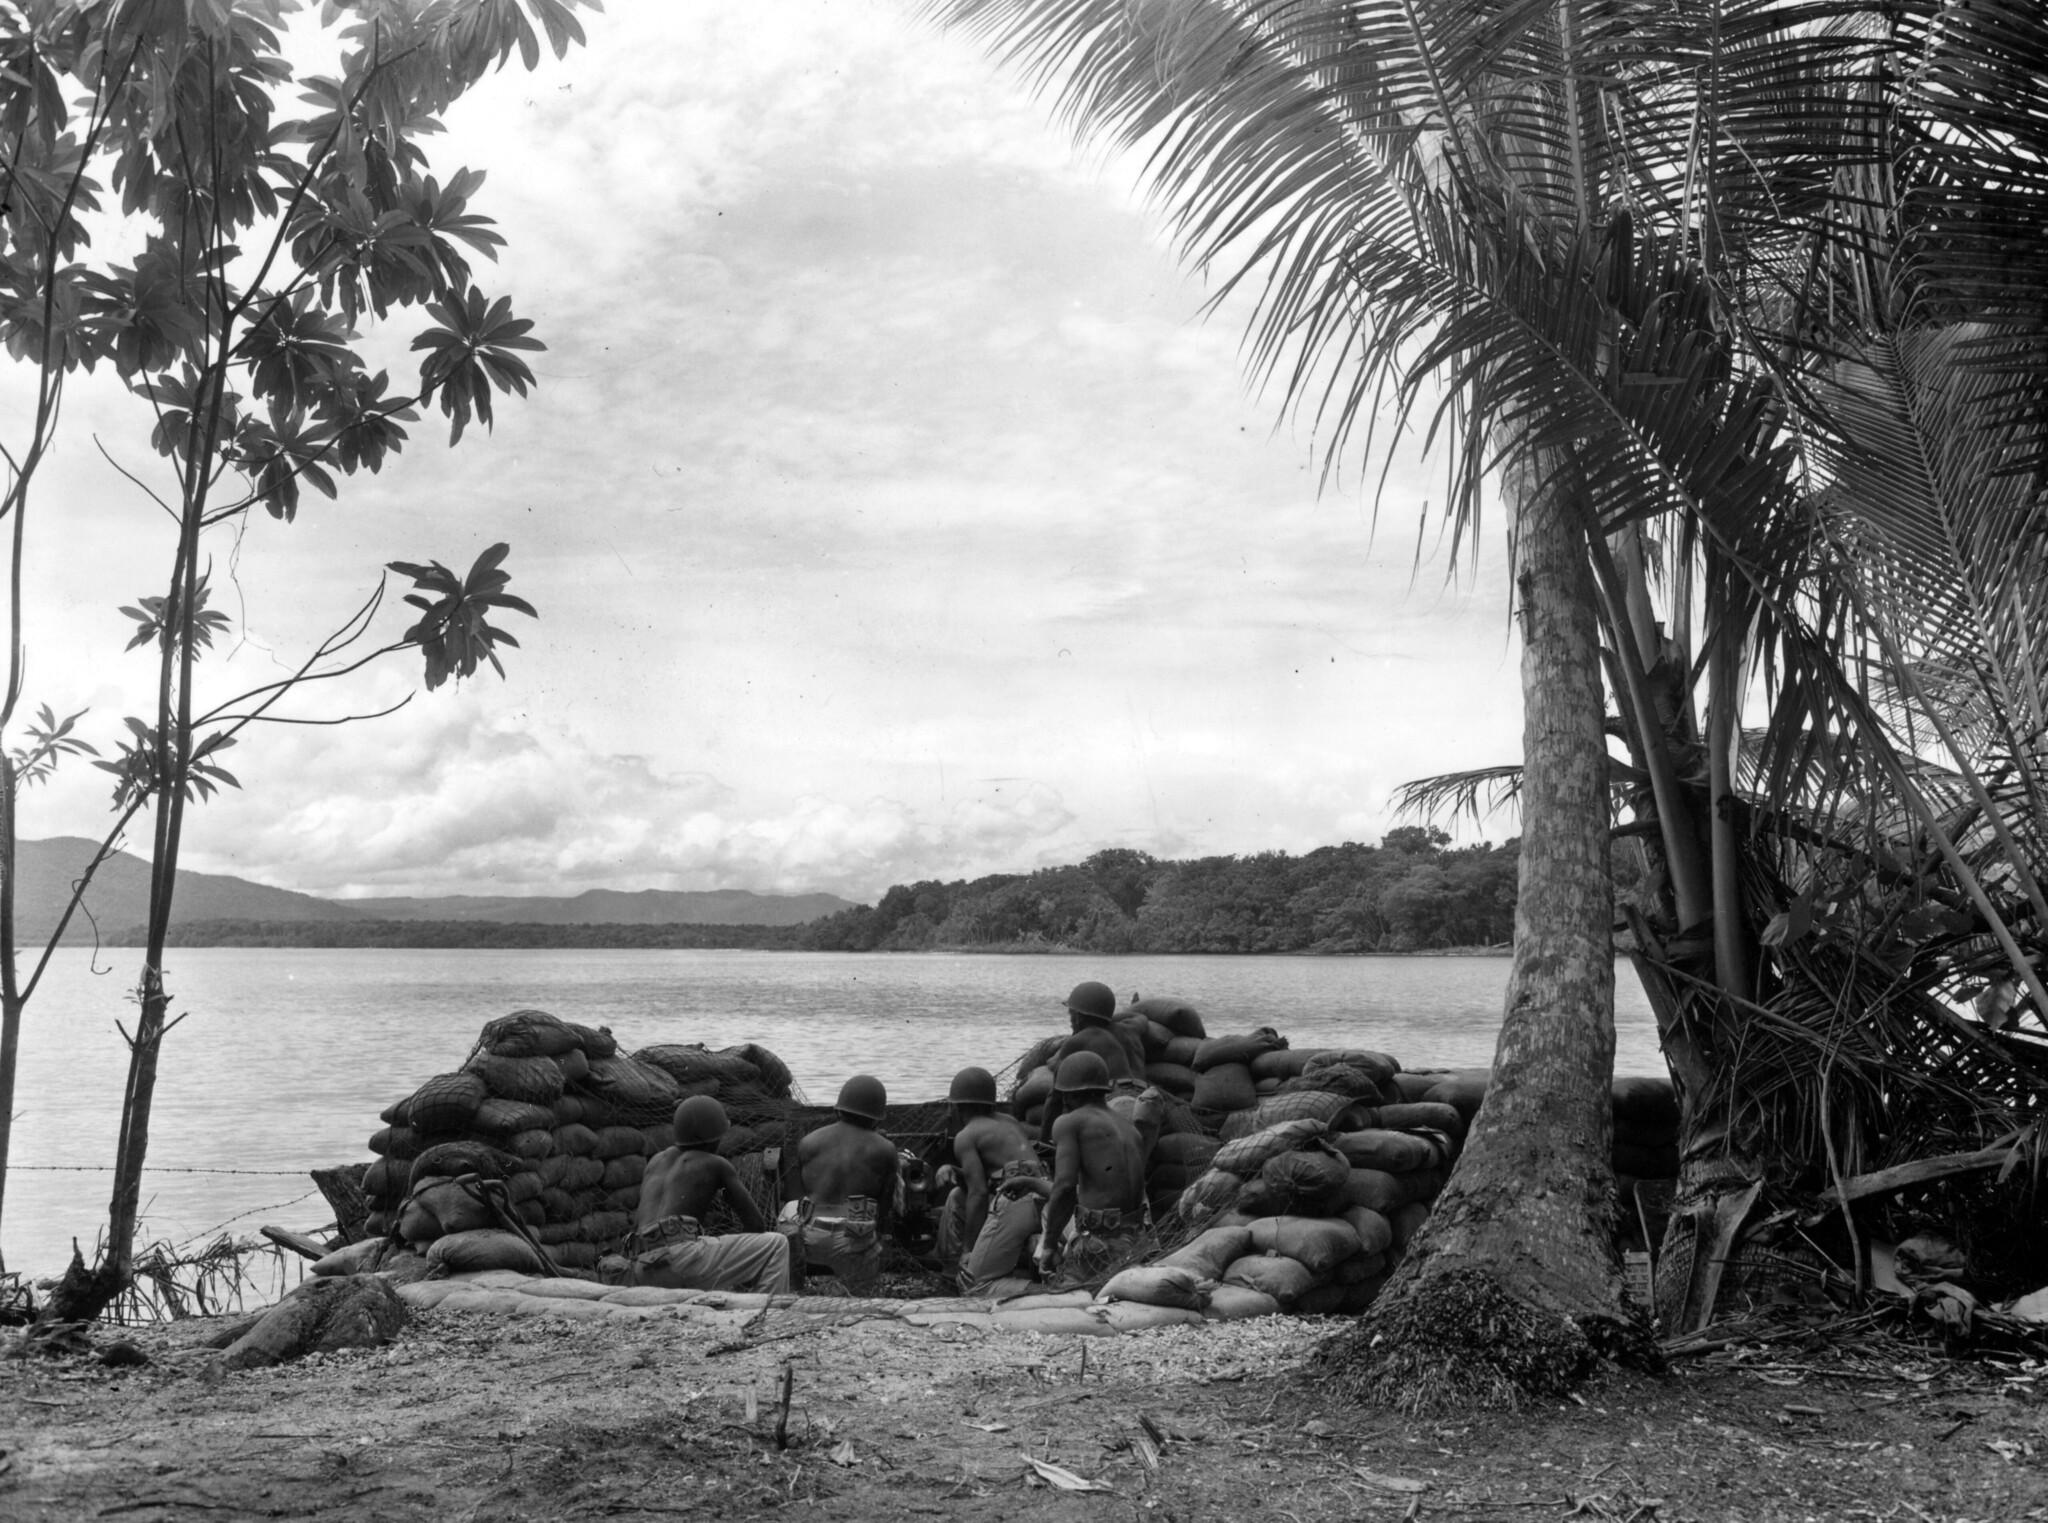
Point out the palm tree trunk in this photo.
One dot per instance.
(1514, 1287)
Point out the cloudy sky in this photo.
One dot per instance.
(891, 510)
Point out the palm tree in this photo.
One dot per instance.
(1616, 242)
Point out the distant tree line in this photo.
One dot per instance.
(1411, 893)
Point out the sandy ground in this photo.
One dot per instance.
(472, 1418)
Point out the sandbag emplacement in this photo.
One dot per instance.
(475, 1251)
(629, 1092)
(1394, 1152)
(1158, 1285)
(1307, 1183)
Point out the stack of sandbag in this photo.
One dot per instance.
(1171, 1033)
(754, 1086)
(1268, 1264)
(1223, 1072)
(1645, 1116)
(557, 1126)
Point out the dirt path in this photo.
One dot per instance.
(483, 1419)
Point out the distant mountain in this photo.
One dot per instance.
(119, 897)
(119, 901)
(609, 906)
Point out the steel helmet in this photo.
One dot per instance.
(699, 1120)
(1082, 1071)
(1093, 1001)
(973, 1086)
(863, 1096)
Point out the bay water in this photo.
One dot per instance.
(284, 1057)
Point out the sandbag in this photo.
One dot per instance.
(1319, 1244)
(1374, 1189)
(1419, 1115)
(577, 1140)
(354, 1258)
(1394, 1152)
(1285, 1280)
(606, 1226)
(1156, 1037)
(575, 1255)
(1233, 1303)
(474, 1252)
(1219, 1050)
(620, 1142)
(1133, 1317)
(448, 1159)
(1463, 1090)
(400, 1144)
(1181, 1051)
(1380, 1065)
(595, 1041)
(1189, 1148)
(1646, 1163)
(1265, 1087)
(534, 1145)
(1647, 1102)
(1309, 1105)
(632, 1093)
(535, 1080)
(1173, 1078)
(1375, 1233)
(1408, 1221)
(575, 1066)
(626, 1199)
(523, 1185)
(502, 1118)
(1158, 1285)
(1211, 1253)
(445, 1103)
(774, 1074)
(379, 1180)
(1212, 1193)
(1177, 1016)
(684, 1061)
(571, 1171)
(1342, 1079)
(527, 1034)
(1227, 1087)
(1306, 1183)
(454, 1207)
(1412, 1084)
(1283, 1062)
(569, 1110)
(1033, 1090)
(626, 1169)
(1247, 1155)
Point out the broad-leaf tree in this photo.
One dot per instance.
(178, 209)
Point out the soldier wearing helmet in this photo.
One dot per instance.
(1095, 1208)
(849, 1175)
(988, 1220)
(1091, 1011)
(680, 1188)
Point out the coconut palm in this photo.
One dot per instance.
(1600, 252)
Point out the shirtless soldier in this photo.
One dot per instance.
(1091, 1011)
(849, 1175)
(990, 1226)
(682, 1183)
(1097, 1197)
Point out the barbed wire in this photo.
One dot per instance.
(107, 1168)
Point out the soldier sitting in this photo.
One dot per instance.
(682, 1184)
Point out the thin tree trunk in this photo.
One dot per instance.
(1514, 1287)
(11, 1002)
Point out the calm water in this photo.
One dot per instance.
(287, 1056)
